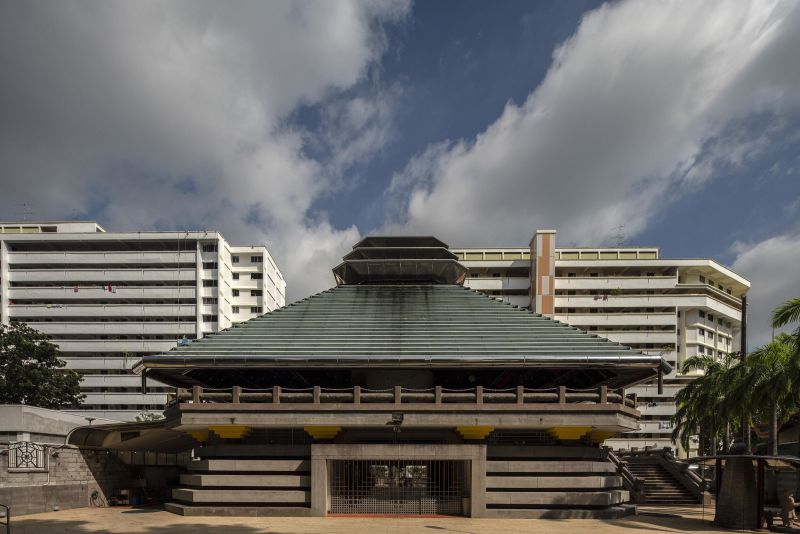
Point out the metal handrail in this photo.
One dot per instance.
(633, 484)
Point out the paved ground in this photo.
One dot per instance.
(126, 520)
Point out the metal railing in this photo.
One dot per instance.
(400, 395)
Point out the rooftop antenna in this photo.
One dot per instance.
(25, 210)
(619, 235)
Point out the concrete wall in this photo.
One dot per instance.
(71, 478)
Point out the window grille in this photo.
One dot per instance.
(398, 487)
(26, 456)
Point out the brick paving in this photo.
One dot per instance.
(126, 520)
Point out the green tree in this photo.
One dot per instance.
(702, 406)
(768, 384)
(31, 372)
(788, 312)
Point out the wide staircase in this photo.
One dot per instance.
(660, 486)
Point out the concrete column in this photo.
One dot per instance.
(477, 491)
(543, 271)
(198, 290)
(319, 486)
(4, 285)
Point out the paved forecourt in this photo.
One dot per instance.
(127, 520)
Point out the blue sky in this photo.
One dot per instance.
(306, 125)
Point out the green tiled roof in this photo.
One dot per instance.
(402, 325)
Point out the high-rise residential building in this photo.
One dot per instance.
(109, 298)
(675, 308)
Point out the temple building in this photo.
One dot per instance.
(398, 391)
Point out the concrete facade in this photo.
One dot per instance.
(108, 298)
(675, 308)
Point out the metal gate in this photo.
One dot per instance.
(398, 487)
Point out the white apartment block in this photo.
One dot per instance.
(632, 295)
(108, 298)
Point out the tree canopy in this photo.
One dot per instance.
(765, 387)
(31, 371)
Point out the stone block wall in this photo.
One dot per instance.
(71, 478)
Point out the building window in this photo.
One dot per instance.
(209, 300)
(256, 292)
(256, 276)
(701, 349)
(210, 248)
(235, 309)
(235, 276)
(703, 279)
(720, 287)
(594, 275)
(209, 283)
(571, 275)
(235, 292)
(209, 318)
(255, 309)
(711, 336)
(256, 259)
(701, 332)
(209, 265)
(702, 314)
(235, 259)
(711, 317)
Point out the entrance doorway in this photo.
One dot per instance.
(399, 487)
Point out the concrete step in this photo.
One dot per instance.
(544, 498)
(614, 512)
(245, 480)
(549, 466)
(538, 482)
(237, 511)
(245, 465)
(234, 496)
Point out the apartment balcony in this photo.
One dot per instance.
(101, 310)
(124, 398)
(103, 276)
(617, 319)
(84, 293)
(484, 264)
(117, 381)
(115, 345)
(98, 328)
(661, 409)
(647, 301)
(95, 258)
(622, 282)
(100, 363)
(637, 336)
(651, 391)
(498, 284)
(653, 427)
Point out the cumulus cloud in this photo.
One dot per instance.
(771, 266)
(174, 115)
(640, 106)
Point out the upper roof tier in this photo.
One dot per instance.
(399, 260)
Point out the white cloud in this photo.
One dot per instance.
(174, 114)
(772, 267)
(619, 126)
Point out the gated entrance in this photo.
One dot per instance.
(399, 487)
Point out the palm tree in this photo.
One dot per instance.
(767, 383)
(788, 312)
(703, 405)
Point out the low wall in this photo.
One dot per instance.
(71, 476)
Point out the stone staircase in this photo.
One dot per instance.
(660, 486)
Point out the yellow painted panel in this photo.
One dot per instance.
(474, 256)
(569, 432)
(648, 256)
(474, 432)
(608, 255)
(569, 256)
(494, 256)
(627, 255)
(200, 435)
(512, 255)
(230, 431)
(322, 432)
(588, 255)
